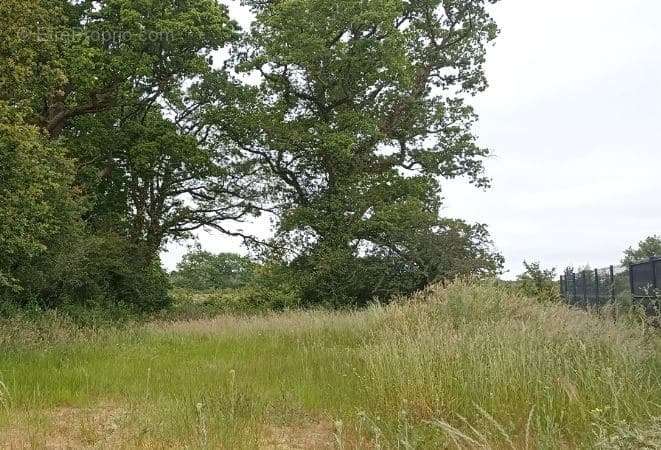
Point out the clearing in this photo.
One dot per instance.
(470, 366)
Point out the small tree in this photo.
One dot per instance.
(646, 249)
(537, 282)
(204, 271)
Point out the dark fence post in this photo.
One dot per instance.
(612, 287)
(585, 288)
(631, 285)
(560, 285)
(653, 267)
(575, 290)
(596, 287)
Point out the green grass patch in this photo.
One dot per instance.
(463, 367)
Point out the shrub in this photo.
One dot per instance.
(96, 272)
(539, 283)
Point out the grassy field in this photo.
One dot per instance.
(463, 367)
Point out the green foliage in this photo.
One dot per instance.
(118, 135)
(358, 115)
(646, 249)
(105, 271)
(96, 56)
(152, 181)
(539, 283)
(274, 287)
(270, 287)
(93, 272)
(204, 271)
(37, 204)
(92, 173)
(358, 275)
(49, 257)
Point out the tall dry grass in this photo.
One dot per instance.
(468, 366)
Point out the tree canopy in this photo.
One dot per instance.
(90, 158)
(124, 126)
(359, 113)
(205, 271)
(647, 248)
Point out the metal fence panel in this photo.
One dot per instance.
(640, 283)
(643, 280)
(613, 284)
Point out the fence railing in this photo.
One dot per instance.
(645, 278)
(596, 287)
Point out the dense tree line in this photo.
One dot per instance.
(203, 271)
(122, 128)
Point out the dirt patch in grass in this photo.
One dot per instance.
(65, 428)
(308, 436)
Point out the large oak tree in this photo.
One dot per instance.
(358, 113)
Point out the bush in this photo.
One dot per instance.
(271, 289)
(95, 272)
(539, 283)
(397, 260)
(48, 259)
(36, 203)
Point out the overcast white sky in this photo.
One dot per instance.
(573, 116)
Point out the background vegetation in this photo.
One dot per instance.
(125, 125)
(647, 248)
